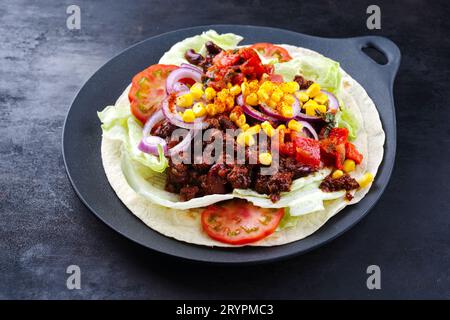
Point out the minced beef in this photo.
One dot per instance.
(302, 82)
(347, 183)
(273, 184)
(240, 177)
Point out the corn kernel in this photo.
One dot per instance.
(229, 102)
(185, 100)
(311, 111)
(229, 85)
(211, 109)
(210, 93)
(292, 86)
(254, 129)
(263, 95)
(245, 139)
(245, 127)
(235, 90)
(252, 99)
(233, 116)
(222, 95)
(276, 96)
(310, 103)
(188, 115)
(337, 174)
(349, 165)
(365, 180)
(321, 98)
(295, 125)
(265, 158)
(197, 90)
(281, 127)
(245, 89)
(253, 85)
(220, 107)
(272, 104)
(267, 128)
(322, 108)
(287, 111)
(302, 96)
(289, 99)
(241, 120)
(199, 109)
(267, 86)
(313, 90)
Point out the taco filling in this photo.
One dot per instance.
(245, 139)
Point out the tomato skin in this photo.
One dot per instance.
(340, 134)
(148, 89)
(238, 222)
(333, 148)
(307, 151)
(270, 50)
(352, 153)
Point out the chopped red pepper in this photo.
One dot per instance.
(352, 153)
(307, 151)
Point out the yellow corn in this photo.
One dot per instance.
(281, 127)
(199, 109)
(211, 109)
(263, 95)
(185, 100)
(245, 89)
(253, 85)
(302, 96)
(313, 90)
(290, 87)
(276, 96)
(197, 90)
(289, 99)
(337, 174)
(254, 129)
(365, 180)
(210, 93)
(322, 108)
(222, 95)
(188, 115)
(295, 125)
(267, 128)
(321, 98)
(245, 139)
(252, 99)
(235, 90)
(287, 111)
(241, 120)
(229, 102)
(310, 103)
(265, 158)
(245, 127)
(349, 165)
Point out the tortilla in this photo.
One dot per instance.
(185, 225)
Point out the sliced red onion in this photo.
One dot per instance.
(191, 66)
(154, 119)
(183, 145)
(309, 130)
(333, 104)
(252, 112)
(176, 119)
(182, 73)
(276, 114)
(149, 144)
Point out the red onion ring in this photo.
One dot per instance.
(276, 114)
(182, 73)
(176, 119)
(333, 104)
(252, 112)
(154, 119)
(149, 144)
(309, 130)
(184, 144)
(191, 66)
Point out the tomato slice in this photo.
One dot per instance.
(239, 222)
(148, 89)
(269, 50)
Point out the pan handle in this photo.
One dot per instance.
(384, 45)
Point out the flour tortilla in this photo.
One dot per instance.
(185, 225)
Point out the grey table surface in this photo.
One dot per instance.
(44, 227)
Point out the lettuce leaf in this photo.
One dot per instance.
(345, 119)
(322, 70)
(176, 54)
(119, 124)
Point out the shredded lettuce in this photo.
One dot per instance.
(322, 70)
(176, 54)
(119, 124)
(345, 119)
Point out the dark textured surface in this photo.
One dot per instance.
(44, 227)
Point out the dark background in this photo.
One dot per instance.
(44, 227)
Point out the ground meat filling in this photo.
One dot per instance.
(345, 182)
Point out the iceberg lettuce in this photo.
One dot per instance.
(176, 54)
